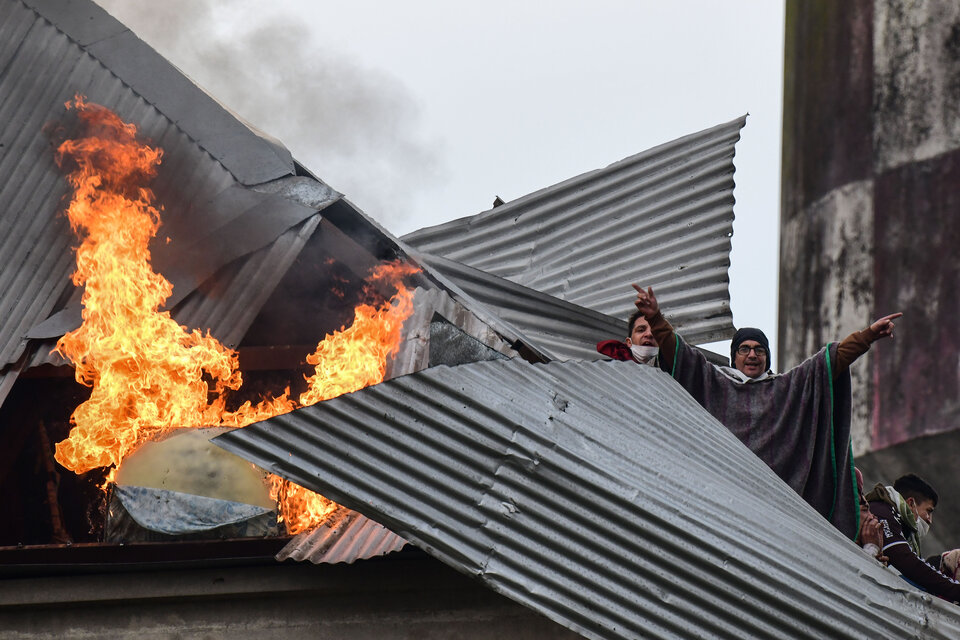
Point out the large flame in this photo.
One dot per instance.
(148, 374)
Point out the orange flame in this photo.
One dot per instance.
(146, 371)
(346, 361)
(148, 374)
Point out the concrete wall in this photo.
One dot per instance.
(402, 596)
(870, 220)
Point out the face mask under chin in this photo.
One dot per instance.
(644, 354)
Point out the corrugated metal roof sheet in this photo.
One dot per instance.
(661, 218)
(599, 494)
(346, 537)
(250, 156)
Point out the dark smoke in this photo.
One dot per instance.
(355, 128)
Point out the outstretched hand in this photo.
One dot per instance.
(646, 302)
(883, 327)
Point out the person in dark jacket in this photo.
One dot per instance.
(905, 512)
(640, 346)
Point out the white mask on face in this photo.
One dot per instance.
(643, 354)
(922, 528)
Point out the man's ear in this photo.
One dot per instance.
(629, 342)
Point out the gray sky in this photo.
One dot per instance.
(423, 111)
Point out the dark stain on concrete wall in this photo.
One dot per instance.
(899, 82)
(828, 99)
(917, 262)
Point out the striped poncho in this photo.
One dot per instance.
(797, 422)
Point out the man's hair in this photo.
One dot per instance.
(636, 315)
(913, 486)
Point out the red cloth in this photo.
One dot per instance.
(615, 349)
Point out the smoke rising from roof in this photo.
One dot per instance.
(355, 128)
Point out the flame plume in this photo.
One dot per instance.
(148, 374)
(357, 357)
(146, 371)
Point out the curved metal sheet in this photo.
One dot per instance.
(345, 538)
(599, 494)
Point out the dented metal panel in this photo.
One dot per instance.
(661, 218)
(599, 494)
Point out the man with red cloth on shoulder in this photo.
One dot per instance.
(640, 347)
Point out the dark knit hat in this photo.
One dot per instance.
(748, 333)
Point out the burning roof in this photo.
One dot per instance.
(238, 211)
(227, 217)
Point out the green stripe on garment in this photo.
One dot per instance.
(676, 351)
(833, 451)
(856, 496)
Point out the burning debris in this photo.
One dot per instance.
(149, 375)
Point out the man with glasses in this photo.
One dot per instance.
(750, 353)
(798, 422)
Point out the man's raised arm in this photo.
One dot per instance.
(858, 343)
(647, 304)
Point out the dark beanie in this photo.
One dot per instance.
(748, 333)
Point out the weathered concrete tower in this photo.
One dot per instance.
(870, 222)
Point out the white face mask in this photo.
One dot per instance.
(643, 354)
(922, 527)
